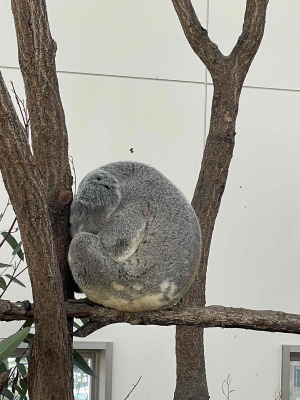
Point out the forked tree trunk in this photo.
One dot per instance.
(228, 75)
(39, 186)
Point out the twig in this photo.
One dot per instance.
(134, 386)
(13, 277)
(227, 382)
(23, 110)
(8, 232)
(6, 207)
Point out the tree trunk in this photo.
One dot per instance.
(39, 187)
(228, 75)
(191, 382)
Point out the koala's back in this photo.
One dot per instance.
(143, 187)
(161, 262)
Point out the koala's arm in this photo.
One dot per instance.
(123, 233)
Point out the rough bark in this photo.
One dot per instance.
(42, 204)
(39, 186)
(49, 137)
(228, 74)
(205, 317)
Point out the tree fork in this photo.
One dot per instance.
(228, 74)
(42, 207)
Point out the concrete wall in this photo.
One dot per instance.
(129, 79)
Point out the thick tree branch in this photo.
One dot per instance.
(204, 317)
(39, 187)
(228, 75)
(196, 35)
(209, 53)
(252, 34)
(37, 52)
(49, 136)
(26, 191)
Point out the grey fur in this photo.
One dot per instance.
(135, 238)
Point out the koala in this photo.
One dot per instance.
(136, 240)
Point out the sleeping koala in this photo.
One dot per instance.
(135, 238)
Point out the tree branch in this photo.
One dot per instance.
(49, 136)
(37, 52)
(39, 187)
(26, 191)
(252, 34)
(197, 36)
(204, 317)
(228, 75)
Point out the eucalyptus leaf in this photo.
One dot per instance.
(2, 283)
(8, 395)
(29, 339)
(14, 244)
(10, 344)
(15, 280)
(4, 265)
(3, 367)
(22, 369)
(27, 323)
(23, 384)
(77, 326)
(17, 248)
(80, 362)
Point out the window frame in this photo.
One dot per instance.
(101, 363)
(288, 353)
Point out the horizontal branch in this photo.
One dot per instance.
(205, 317)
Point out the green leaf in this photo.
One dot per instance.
(10, 344)
(3, 367)
(17, 248)
(29, 339)
(18, 389)
(14, 245)
(23, 384)
(4, 265)
(8, 395)
(80, 362)
(14, 384)
(77, 326)
(2, 283)
(15, 280)
(22, 369)
(28, 323)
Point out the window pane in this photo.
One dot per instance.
(295, 380)
(82, 383)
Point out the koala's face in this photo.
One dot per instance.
(99, 189)
(97, 198)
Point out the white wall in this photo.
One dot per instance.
(129, 79)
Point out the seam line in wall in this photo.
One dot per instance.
(161, 79)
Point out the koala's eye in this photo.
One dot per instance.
(99, 179)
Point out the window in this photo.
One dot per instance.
(290, 373)
(99, 357)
